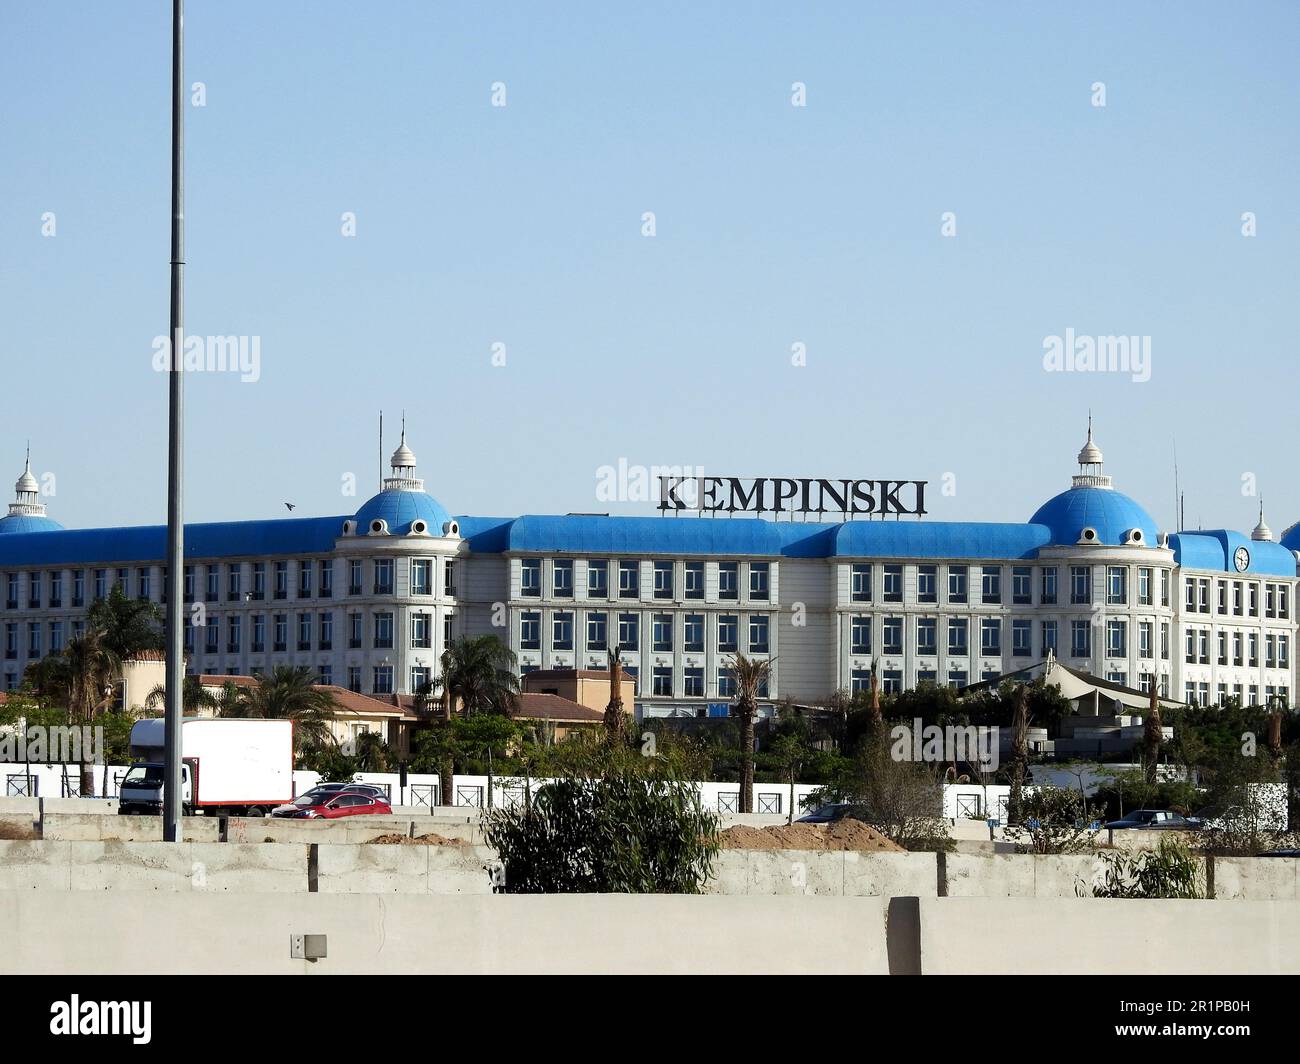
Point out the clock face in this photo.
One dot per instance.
(1241, 559)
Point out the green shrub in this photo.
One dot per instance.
(618, 833)
(1170, 871)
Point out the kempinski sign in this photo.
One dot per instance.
(802, 495)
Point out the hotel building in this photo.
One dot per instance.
(368, 600)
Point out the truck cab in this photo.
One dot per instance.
(141, 791)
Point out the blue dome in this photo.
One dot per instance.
(1110, 512)
(27, 523)
(400, 508)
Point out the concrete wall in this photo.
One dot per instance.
(116, 934)
(37, 867)
(1042, 936)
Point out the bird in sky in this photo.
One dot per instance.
(289, 506)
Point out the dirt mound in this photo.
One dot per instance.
(842, 835)
(431, 839)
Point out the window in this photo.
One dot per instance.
(958, 677)
(420, 676)
(860, 635)
(597, 625)
(1081, 639)
(281, 580)
(1223, 648)
(1116, 585)
(304, 631)
(1080, 585)
(1117, 638)
(530, 630)
(860, 583)
(662, 680)
(422, 631)
(758, 634)
(1050, 640)
(693, 633)
(233, 590)
(726, 682)
(259, 633)
(893, 583)
(259, 580)
(926, 635)
(449, 578)
(447, 621)
(958, 637)
(562, 578)
(34, 591)
(530, 578)
(991, 637)
(695, 584)
(281, 641)
(1047, 594)
(101, 583)
(1146, 639)
(629, 633)
(78, 587)
(11, 597)
(891, 635)
(212, 583)
(354, 578)
(927, 584)
(356, 630)
(893, 682)
(326, 638)
(34, 639)
(860, 680)
(1144, 586)
(1253, 596)
(728, 633)
(629, 580)
(957, 584)
(759, 573)
(1022, 585)
(383, 576)
(991, 585)
(1022, 638)
(56, 636)
(598, 580)
(562, 631)
(1165, 641)
(354, 677)
(694, 682)
(326, 578)
(728, 580)
(663, 572)
(11, 640)
(421, 576)
(383, 680)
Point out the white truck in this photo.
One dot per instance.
(229, 767)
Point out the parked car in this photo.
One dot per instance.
(344, 803)
(828, 814)
(1154, 820)
(322, 790)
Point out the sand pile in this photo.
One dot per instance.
(431, 839)
(842, 835)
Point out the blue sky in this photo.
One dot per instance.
(775, 225)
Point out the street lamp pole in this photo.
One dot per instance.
(175, 667)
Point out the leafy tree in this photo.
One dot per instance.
(901, 799)
(93, 668)
(788, 754)
(1052, 820)
(616, 832)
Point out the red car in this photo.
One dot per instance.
(329, 806)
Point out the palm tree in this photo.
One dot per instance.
(615, 718)
(1152, 735)
(92, 671)
(129, 625)
(1019, 748)
(194, 696)
(481, 674)
(290, 693)
(751, 676)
